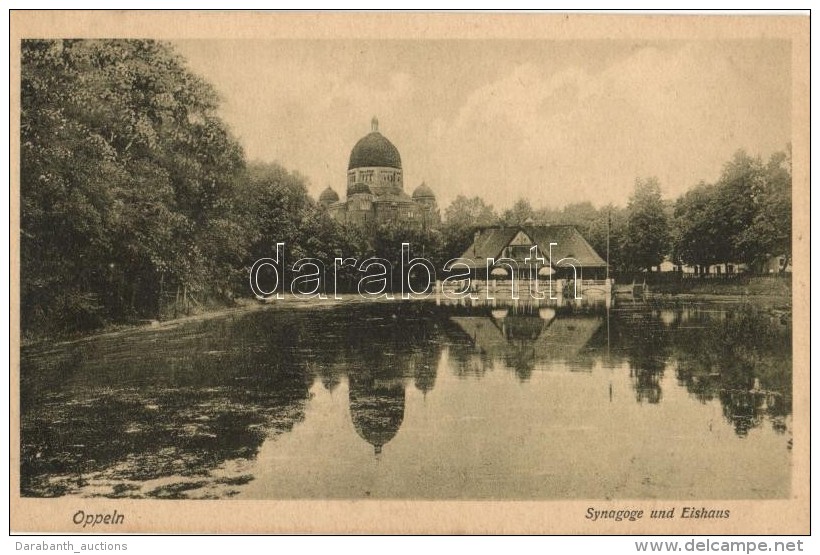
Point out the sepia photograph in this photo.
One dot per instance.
(475, 273)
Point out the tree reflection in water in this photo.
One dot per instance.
(743, 357)
(161, 413)
(645, 341)
(179, 412)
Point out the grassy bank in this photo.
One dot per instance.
(772, 292)
(757, 286)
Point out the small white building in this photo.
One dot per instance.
(777, 264)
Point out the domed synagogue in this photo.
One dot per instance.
(375, 188)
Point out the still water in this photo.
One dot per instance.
(416, 401)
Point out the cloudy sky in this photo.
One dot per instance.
(553, 121)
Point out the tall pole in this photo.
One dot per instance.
(608, 225)
(608, 355)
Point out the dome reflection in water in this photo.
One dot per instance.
(410, 400)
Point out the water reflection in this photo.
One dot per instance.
(185, 412)
(376, 408)
(524, 342)
(645, 340)
(743, 358)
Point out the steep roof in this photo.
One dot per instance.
(489, 242)
(570, 244)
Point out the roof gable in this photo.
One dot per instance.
(521, 238)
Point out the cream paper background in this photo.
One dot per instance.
(369, 516)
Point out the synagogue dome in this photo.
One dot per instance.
(423, 192)
(374, 150)
(328, 196)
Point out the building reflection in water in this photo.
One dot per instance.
(377, 394)
(741, 358)
(381, 352)
(376, 408)
(520, 341)
(523, 341)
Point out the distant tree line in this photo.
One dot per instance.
(137, 203)
(744, 217)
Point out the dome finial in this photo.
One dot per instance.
(374, 124)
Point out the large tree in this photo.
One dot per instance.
(461, 218)
(701, 234)
(769, 233)
(744, 217)
(740, 192)
(127, 180)
(520, 213)
(647, 234)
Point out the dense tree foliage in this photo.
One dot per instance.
(744, 217)
(461, 218)
(126, 179)
(519, 214)
(647, 229)
(604, 228)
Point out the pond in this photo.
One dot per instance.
(410, 400)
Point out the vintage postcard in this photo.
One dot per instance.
(409, 273)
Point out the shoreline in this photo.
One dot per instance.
(779, 303)
(242, 306)
(761, 300)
